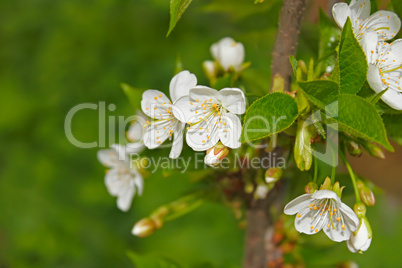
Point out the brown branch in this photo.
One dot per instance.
(286, 40)
(261, 251)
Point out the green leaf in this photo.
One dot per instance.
(269, 115)
(376, 97)
(177, 8)
(134, 95)
(329, 40)
(359, 118)
(352, 62)
(393, 124)
(320, 92)
(294, 63)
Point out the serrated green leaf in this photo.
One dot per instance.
(320, 92)
(359, 118)
(269, 115)
(329, 39)
(177, 8)
(134, 95)
(352, 62)
(393, 124)
(294, 63)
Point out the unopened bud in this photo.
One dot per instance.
(272, 175)
(310, 188)
(354, 149)
(302, 151)
(261, 191)
(215, 154)
(302, 66)
(366, 195)
(210, 69)
(360, 209)
(144, 227)
(374, 150)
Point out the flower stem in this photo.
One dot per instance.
(315, 170)
(333, 173)
(352, 176)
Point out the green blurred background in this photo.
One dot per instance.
(55, 210)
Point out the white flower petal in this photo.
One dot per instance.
(230, 131)
(155, 104)
(349, 216)
(359, 239)
(112, 182)
(337, 234)
(366, 245)
(360, 9)
(385, 23)
(177, 145)
(369, 44)
(204, 135)
(181, 84)
(233, 100)
(125, 198)
(351, 247)
(324, 194)
(298, 204)
(157, 133)
(184, 110)
(231, 54)
(203, 94)
(340, 12)
(108, 157)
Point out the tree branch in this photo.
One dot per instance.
(286, 40)
(261, 251)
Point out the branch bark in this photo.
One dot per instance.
(287, 39)
(261, 251)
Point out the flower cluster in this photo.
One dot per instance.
(384, 59)
(323, 210)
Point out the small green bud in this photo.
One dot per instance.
(272, 175)
(360, 209)
(374, 150)
(144, 227)
(310, 188)
(302, 151)
(302, 66)
(366, 195)
(354, 149)
(216, 154)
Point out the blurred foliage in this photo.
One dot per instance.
(56, 211)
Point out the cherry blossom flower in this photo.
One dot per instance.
(212, 116)
(323, 210)
(228, 53)
(361, 239)
(385, 24)
(156, 105)
(122, 180)
(385, 70)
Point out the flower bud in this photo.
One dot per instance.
(228, 54)
(261, 191)
(366, 195)
(303, 66)
(360, 240)
(302, 151)
(272, 175)
(144, 227)
(215, 154)
(354, 149)
(374, 150)
(210, 69)
(310, 188)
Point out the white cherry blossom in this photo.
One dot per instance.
(156, 105)
(385, 24)
(385, 70)
(228, 53)
(361, 239)
(212, 116)
(122, 181)
(323, 210)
